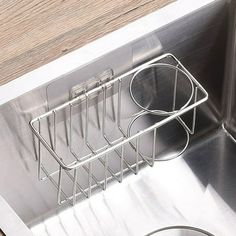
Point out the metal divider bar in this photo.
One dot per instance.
(54, 131)
(118, 115)
(105, 171)
(192, 130)
(89, 178)
(74, 185)
(39, 152)
(175, 88)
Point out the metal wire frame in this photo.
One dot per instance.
(153, 157)
(177, 71)
(117, 146)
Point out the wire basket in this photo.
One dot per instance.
(101, 133)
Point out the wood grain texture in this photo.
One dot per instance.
(34, 32)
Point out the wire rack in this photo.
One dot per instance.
(101, 139)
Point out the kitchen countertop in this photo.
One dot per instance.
(89, 52)
(33, 33)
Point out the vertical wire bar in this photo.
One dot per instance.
(39, 153)
(75, 185)
(70, 141)
(119, 103)
(109, 170)
(96, 107)
(105, 171)
(87, 118)
(89, 178)
(59, 186)
(104, 110)
(55, 184)
(54, 131)
(194, 111)
(137, 156)
(112, 103)
(175, 88)
(154, 147)
(121, 163)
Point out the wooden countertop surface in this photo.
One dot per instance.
(35, 32)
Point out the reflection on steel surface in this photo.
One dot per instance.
(170, 193)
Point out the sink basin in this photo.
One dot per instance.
(180, 231)
(196, 188)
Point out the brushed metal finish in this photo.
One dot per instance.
(230, 74)
(194, 190)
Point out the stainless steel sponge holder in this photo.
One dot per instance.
(104, 90)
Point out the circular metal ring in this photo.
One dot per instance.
(171, 157)
(181, 227)
(161, 112)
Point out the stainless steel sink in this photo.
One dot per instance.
(196, 190)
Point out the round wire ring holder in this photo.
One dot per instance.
(171, 157)
(161, 112)
(180, 227)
